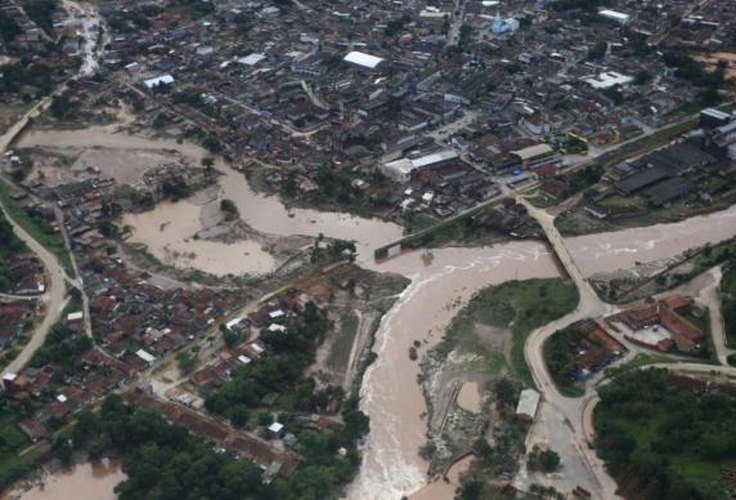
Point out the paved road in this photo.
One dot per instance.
(7, 297)
(55, 296)
(54, 299)
(453, 35)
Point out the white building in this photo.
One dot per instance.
(615, 16)
(152, 83)
(607, 79)
(363, 59)
(149, 358)
(402, 169)
(74, 316)
(528, 404)
(276, 429)
(251, 59)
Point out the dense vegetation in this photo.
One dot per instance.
(560, 355)
(229, 209)
(9, 29)
(694, 72)
(41, 12)
(160, 460)
(63, 347)
(13, 466)
(38, 227)
(24, 75)
(324, 471)
(661, 441)
(728, 289)
(9, 245)
(293, 351)
(584, 178)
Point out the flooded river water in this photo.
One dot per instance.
(85, 481)
(168, 230)
(439, 288)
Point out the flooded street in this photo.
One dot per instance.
(268, 214)
(175, 245)
(84, 481)
(391, 466)
(169, 233)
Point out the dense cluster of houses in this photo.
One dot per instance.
(274, 317)
(55, 398)
(662, 325)
(361, 88)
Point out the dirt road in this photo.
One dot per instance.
(55, 298)
(578, 411)
(710, 296)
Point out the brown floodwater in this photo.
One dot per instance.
(469, 397)
(169, 231)
(85, 481)
(440, 286)
(444, 488)
(175, 244)
(390, 395)
(608, 252)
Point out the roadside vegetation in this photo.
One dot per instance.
(159, 459)
(728, 306)
(38, 228)
(693, 262)
(9, 245)
(661, 440)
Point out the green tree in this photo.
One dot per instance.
(598, 51)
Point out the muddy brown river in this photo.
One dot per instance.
(84, 481)
(391, 396)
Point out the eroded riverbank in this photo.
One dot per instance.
(440, 286)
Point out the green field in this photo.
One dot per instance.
(517, 306)
(671, 443)
(38, 228)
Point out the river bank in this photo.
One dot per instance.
(440, 286)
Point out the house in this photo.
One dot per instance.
(276, 429)
(149, 358)
(33, 429)
(526, 410)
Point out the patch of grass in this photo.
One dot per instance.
(340, 352)
(420, 222)
(641, 359)
(519, 306)
(12, 441)
(37, 228)
(542, 201)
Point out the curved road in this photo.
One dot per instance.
(54, 298)
(578, 412)
(589, 306)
